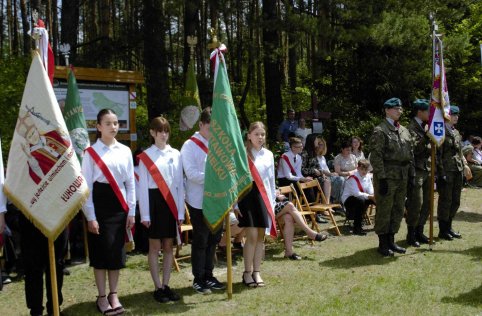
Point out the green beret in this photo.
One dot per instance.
(455, 110)
(420, 104)
(391, 103)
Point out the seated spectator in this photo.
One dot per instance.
(357, 148)
(474, 165)
(345, 166)
(477, 153)
(357, 195)
(237, 233)
(302, 131)
(314, 165)
(287, 211)
(289, 166)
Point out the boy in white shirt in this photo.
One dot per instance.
(357, 195)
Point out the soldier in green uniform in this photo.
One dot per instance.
(450, 168)
(391, 158)
(419, 194)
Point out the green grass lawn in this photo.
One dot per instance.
(341, 276)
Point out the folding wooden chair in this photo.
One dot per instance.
(290, 193)
(320, 204)
(185, 228)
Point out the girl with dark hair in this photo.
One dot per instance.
(110, 208)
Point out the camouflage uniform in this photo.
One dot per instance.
(419, 193)
(450, 168)
(391, 158)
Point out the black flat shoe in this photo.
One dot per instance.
(294, 256)
(320, 219)
(320, 237)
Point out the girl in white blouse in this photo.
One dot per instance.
(253, 212)
(108, 213)
(159, 212)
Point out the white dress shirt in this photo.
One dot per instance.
(264, 163)
(194, 162)
(118, 158)
(3, 198)
(322, 163)
(284, 171)
(168, 161)
(351, 187)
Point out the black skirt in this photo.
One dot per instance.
(163, 222)
(106, 250)
(253, 210)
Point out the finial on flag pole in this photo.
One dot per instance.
(214, 43)
(65, 50)
(192, 41)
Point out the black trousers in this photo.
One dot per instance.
(355, 208)
(203, 245)
(35, 255)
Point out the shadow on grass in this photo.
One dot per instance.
(366, 257)
(475, 252)
(470, 217)
(471, 298)
(144, 304)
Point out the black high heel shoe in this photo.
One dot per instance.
(258, 283)
(249, 284)
(108, 311)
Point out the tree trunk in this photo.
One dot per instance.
(191, 19)
(69, 24)
(155, 59)
(272, 73)
(55, 32)
(27, 40)
(105, 48)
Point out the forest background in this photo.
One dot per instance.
(348, 56)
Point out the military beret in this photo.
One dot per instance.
(391, 103)
(454, 109)
(421, 104)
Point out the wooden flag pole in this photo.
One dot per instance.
(86, 246)
(229, 260)
(432, 192)
(53, 278)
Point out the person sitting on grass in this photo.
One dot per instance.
(358, 194)
(287, 211)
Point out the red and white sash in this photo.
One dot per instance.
(358, 183)
(264, 195)
(160, 182)
(108, 175)
(288, 162)
(200, 144)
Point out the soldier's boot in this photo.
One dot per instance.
(444, 230)
(383, 248)
(411, 237)
(452, 232)
(393, 246)
(421, 238)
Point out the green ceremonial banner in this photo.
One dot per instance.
(190, 101)
(227, 175)
(74, 118)
(191, 94)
